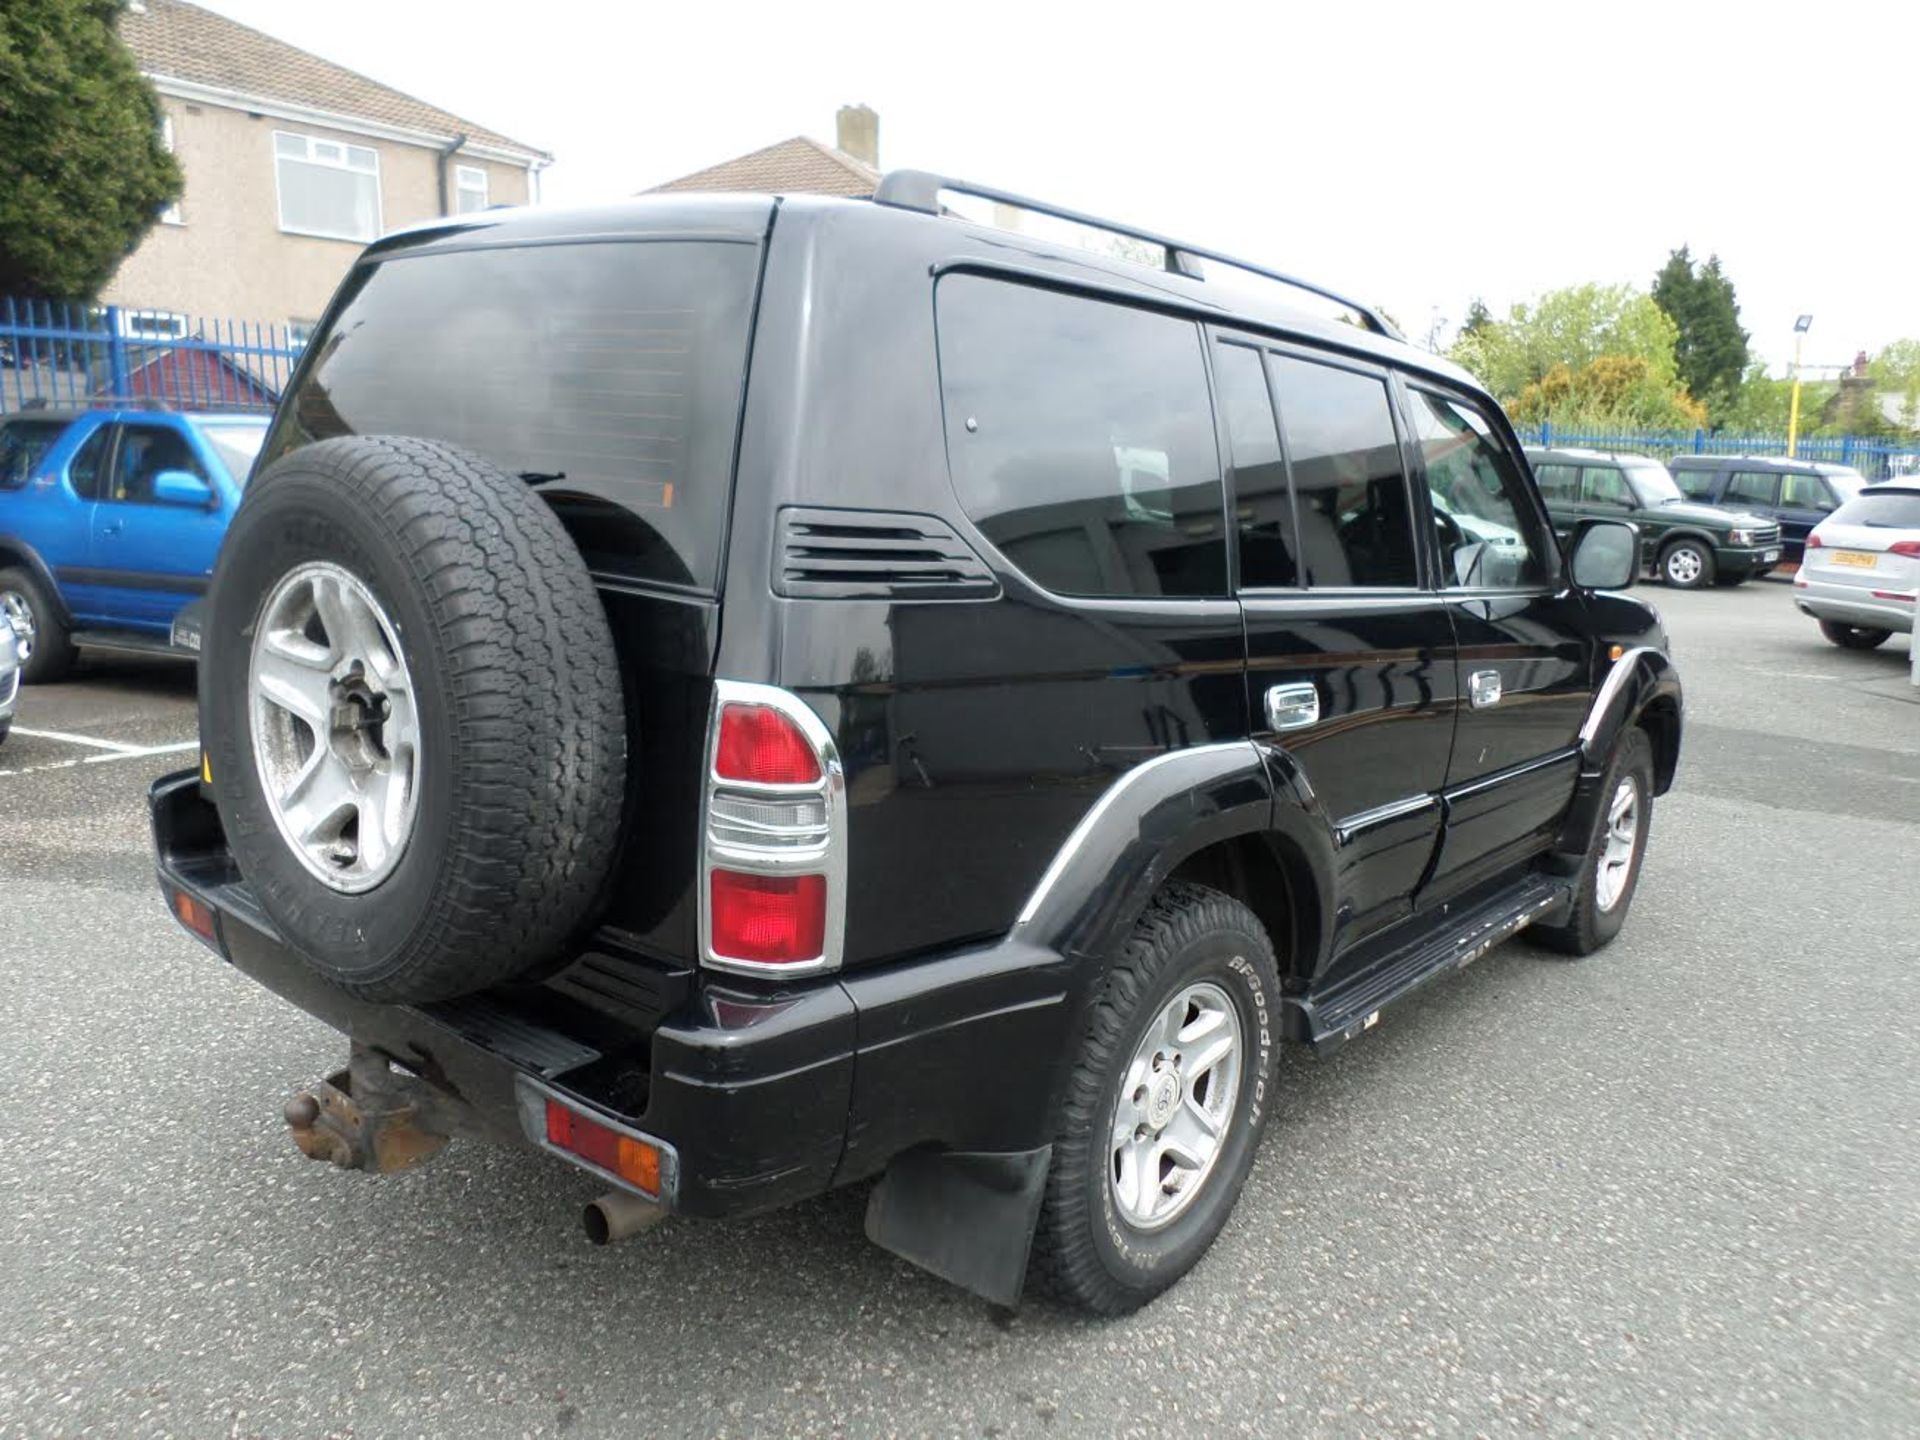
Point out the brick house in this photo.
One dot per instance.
(292, 164)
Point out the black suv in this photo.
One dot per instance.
(1796, 495)
(751, 695)
(1687, 544)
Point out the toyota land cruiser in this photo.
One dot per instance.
(749, 695)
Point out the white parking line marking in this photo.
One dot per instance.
(129, 753)
(76, 739)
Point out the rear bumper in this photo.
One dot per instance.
(763, 1095)
(1853, 605)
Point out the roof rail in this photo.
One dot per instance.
(920, 190)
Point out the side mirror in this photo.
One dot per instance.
(1606, 555)
(178, 487)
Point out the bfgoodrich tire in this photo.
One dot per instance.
(413, 714)
(1118, 1225)
(1616, 848)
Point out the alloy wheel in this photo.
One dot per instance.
(1175, 1105)
(1623, 837)
(19, 615)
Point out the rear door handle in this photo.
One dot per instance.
(1293, 707)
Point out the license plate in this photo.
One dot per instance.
(1856, 559)
(1768, 557)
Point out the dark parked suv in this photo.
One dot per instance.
(1686, 544)
(750, 695)
(1796, 495)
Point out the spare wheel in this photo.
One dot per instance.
(413, 716)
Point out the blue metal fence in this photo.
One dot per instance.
(74, 356)
(1875, 459)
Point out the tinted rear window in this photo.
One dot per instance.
(1882, 509)
(608, 375)
(22, 443)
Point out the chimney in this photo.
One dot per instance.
(1860, 364)
(858, 133)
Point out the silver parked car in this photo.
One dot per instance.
(9, 674)
(1861, 574)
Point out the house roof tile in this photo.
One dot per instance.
(797, 166)
(174, 40)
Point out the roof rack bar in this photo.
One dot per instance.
(920, 190)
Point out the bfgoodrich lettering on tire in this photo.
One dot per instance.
(1164, 1109)
(413, 710)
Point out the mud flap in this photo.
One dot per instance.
(966, 1216)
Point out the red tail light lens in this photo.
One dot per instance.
(760, 745)
(1908, 548)
(770, 919)
(1814, 542)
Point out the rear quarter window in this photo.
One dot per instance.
(1695, 484)
(607, 375)
(1080, 435)
(23, 444)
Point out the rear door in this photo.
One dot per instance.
(1350, 663)
(1525, 655)
(149, 557)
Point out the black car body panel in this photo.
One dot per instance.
(1024, 767)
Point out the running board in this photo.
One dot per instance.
(121, 642)
(1328, 1020)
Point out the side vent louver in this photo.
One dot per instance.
(848, 554)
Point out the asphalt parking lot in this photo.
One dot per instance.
(1674, 1189)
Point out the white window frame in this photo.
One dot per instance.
(462, 175)
(311, 158)
(171, 214)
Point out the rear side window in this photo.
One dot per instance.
(1695, 484)
(1753, 487)
(23, 443)
(86, 470)
(1559, 484)
(1081, 439)
(1262, 501)
(607, 375)
(1882, 510)
(1356, 520)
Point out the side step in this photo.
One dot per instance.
(1328, 1020)
(129, 643)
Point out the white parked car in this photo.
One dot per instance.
(1861, 574)
(9, 674)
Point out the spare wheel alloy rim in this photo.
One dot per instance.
(336, 733)
(1175, 1106)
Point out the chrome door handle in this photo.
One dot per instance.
(1483, 688)
(1293, 707)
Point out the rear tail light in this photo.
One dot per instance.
(1908, 548)
(1814, 542)
(773, 861)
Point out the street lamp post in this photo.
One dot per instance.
(1800, 327)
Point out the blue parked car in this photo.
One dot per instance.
(109, 523)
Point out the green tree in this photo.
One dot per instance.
(1711, 351)
(1896, 371)
(83, 173)
(1544, 361)
(1478, 317)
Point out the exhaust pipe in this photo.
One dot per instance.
(618, 1214)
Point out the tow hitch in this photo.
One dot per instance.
(372, 1116)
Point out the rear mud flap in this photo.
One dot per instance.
(966, 1216)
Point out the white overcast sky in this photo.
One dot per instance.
(1417, 155)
